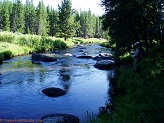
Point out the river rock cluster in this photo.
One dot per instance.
(104, 61)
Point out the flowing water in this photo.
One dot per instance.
(22, 81)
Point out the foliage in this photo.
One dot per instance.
(92, 118)
(133, 20)
(17, 17)
(44, 21)
(144, 95)
(7, 37)
(41, 19)
(66, 22)
(14, 44)
(30, 17)
(6, 17)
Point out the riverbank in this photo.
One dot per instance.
(15, 44)
(136, 97)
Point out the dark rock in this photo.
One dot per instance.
(55, 51)
(85, 57)
(53, 92)
(81, 50)
(99, 58)
(104, 64)
(43, 57)
(59, 118)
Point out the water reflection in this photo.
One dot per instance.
(87, 87)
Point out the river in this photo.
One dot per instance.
(22, 81)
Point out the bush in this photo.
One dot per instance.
(7, 37)
(7, 55)
(1, 58)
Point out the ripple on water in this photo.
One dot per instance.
(22, 83)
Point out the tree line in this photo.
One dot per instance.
(129, 21)
(46, 21)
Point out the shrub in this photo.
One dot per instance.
(7, 54)
(7, 37)
(1, 58)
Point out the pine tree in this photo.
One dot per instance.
(6, 16)
(77, 23)
(53, 22)
(1, 19)
(129, 21)
(41, 19)
(97, 33)
(30, 17)
(66, 22)
(17, 17)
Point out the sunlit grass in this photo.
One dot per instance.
(14, 44)
(14, 48)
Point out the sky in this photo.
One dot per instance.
(76, 4)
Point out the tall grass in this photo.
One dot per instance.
(143, 100)
(13, 44)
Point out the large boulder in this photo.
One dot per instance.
(104, 56)
(99, 58)
(104, 64)
(59, 118)
(43, 57)
(53, 92)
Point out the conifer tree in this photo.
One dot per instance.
(66, 22)
(6, 16)
(30, 17)
(1, 19)
(41, 19)
(17, 17)
(53, 22)
(130, 21)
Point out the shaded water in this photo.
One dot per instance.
(21, 84)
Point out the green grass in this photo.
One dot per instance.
(8, 50)
(14, 44)
(138, 98)
(143, 100)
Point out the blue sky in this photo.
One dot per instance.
(76, 4)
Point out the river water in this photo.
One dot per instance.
(22, 81)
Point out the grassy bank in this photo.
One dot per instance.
(138, 98)
(14, 44)
(143, 97)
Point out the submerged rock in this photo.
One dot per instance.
(53, 92)
(43, 57)
(59, 118)
(104, 64)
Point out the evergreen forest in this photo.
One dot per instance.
(63, 22)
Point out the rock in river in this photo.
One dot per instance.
(43, 57)
(53, 92)
(104, 64)
(60, 118)
(85, 57)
